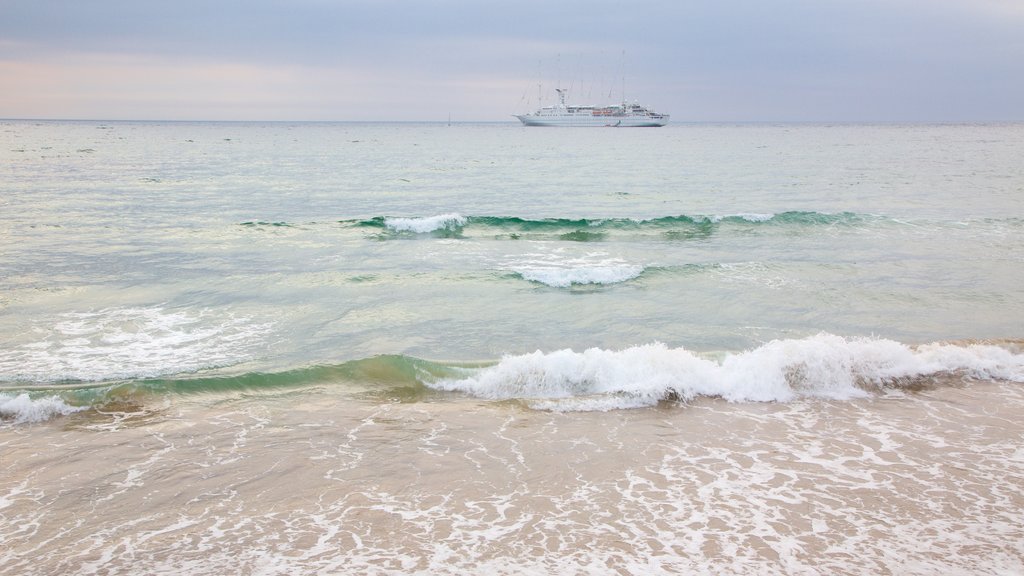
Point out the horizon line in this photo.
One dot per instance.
(448, 122)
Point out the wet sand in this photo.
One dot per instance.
(924, 482)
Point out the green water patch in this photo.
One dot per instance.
(386, 371)
(529, 225)
(375, 222)
(399, 376)
(679, 227)
(583, 236)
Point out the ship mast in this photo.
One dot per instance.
(623, 79)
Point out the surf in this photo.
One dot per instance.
(573, 228)
(820, 367)
(824, 366)
(514, 227)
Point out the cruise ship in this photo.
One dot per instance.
(619, 115)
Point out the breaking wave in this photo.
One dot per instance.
(22, 408)
(566, 272)
(456, 225)
(589, 229)
(450, 222)
(566, 277)
(824, 366)
(424, 225)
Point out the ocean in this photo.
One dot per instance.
(421, 348)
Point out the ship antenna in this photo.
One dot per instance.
(623, 79)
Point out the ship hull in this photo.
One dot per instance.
(574, 120)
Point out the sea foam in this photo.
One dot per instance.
(22, 409)
(134, 342)
(823, 366)
(557, 270)
(426, 224)
(746, 217)
(564, 277)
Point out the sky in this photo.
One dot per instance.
(484, 60)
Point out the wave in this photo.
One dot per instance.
(824, 366)
(393, 377)
(793, 217)
(427, 224)
(22, 408)
(456, 221)
(449, 222)
(681, 227)
(567, 276)
(559, 271)
(456, 225)
(588, 229)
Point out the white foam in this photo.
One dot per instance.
(591, 403)
(749, 217)
(556, 270)
(118, 343)
(22, 409)
(822, 366)
(427, 224)
(564, 277)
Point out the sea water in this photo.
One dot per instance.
(481, 348)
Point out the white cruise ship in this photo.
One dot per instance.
(620, 115)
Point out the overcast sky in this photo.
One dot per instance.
(707, 60)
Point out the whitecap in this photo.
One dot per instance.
(427, 224)
(747, 216)
(558, 271)
(823, 366)
(22, 409)
(564, 277)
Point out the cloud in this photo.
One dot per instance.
(406, 59)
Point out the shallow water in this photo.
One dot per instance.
(415, 348)
(302, 481)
